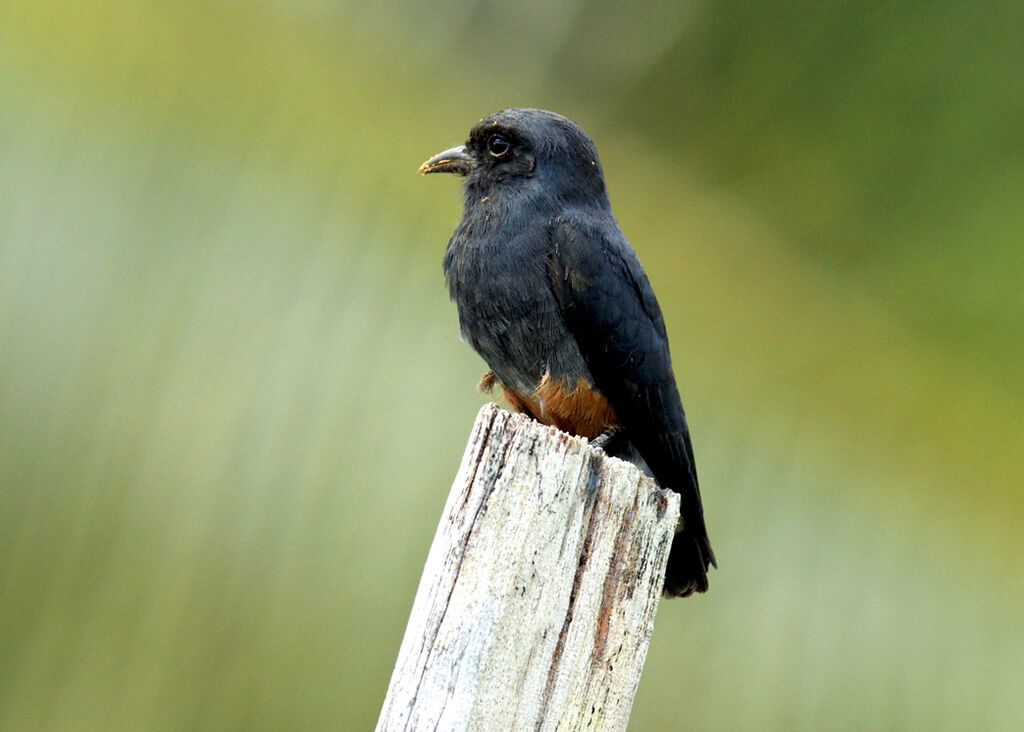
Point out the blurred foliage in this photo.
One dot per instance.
(232, 395)
(881, 139)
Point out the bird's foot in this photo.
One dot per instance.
(487, 383)
(607, 439)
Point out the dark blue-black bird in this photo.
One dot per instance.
(552, 296)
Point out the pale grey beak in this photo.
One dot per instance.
(456, 160)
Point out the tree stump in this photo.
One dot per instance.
(537, 602)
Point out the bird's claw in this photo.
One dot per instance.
(607, 438)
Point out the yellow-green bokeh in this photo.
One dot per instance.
(232, 394)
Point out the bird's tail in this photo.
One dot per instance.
(688, 562)
(690, 555)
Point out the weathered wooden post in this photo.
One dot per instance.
(538, 597)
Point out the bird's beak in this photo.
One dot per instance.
(457, 160)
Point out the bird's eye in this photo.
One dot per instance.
(498, 146)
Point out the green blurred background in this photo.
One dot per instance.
(232, 394)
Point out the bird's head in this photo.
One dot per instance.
(525, 149)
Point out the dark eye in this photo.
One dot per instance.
(498, 146)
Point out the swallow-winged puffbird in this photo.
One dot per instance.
(553, 297)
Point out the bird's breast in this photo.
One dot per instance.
(509, 314)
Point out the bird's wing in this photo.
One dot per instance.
(609, 307)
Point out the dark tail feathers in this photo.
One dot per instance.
(688, 563)
(690, 555)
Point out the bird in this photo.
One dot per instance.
(553, 297)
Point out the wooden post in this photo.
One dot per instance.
(537, 601)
